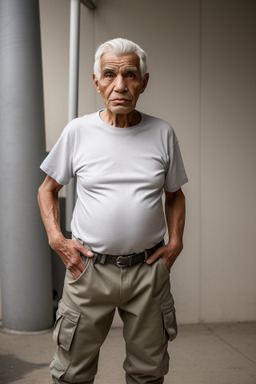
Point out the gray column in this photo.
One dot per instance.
(73, 93)
(73, 88)
(26, 281)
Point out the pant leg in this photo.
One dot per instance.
(84, 317)
(56, 381)
(149, 322)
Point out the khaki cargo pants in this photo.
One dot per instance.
(142, 295)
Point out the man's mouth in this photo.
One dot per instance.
(120, 100)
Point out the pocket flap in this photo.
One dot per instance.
(169, 318)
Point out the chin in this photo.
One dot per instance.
(121, 109)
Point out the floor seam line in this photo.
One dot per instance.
(230, 345)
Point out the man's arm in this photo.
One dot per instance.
(175, 217)
(68, 250)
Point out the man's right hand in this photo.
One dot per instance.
(69, 251)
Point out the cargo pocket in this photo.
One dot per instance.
(64, 331)
(169, 318)
(65, 326)
(59, 365)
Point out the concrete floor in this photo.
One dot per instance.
(201, 354)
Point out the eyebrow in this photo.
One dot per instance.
(108, 69)
(131, 69)
(113, 70)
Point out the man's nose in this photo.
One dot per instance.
(120, 85)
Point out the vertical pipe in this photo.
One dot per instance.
(26, 286)
(73, 91)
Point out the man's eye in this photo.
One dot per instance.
(131, 75)
(109, 75)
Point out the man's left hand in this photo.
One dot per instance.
(168, 253)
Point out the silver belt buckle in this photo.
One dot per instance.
(121, 261)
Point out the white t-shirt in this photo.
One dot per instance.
(121, 174)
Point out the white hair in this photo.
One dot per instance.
(120, 46)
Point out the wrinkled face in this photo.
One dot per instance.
(121, 83)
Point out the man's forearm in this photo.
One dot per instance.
(50, 211)
(175, 215)
(68, 250)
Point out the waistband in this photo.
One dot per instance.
(123, 261)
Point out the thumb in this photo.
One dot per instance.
(155, 256)
(85, 251)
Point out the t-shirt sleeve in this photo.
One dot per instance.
(175, 175)
(58, 164)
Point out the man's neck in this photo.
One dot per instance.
(120, 121)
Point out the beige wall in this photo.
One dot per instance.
(202, 65)
(228, 160)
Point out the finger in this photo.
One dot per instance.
(156, 255)
(85, 251)
(77, 269)
(76, 273)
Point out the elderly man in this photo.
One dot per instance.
(123, 161)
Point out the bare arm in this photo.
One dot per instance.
(68, 250)
(175, 217)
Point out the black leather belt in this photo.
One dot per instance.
(123, 261)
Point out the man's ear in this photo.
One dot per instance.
(96, 82)
(145, 82)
